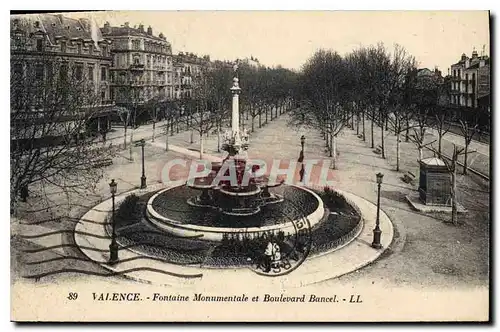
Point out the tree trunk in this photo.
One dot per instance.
(420, 153)
(125, 138)
(382, 140)
(407, 135)
(266, 115)
(364, 132)
(130, 145)
(454, 210)
(440, 137)
(334, 149)
(253, 124)
(331, 145)
(373, 120)
(465, 158)
(260, 119)
(201, 145)
(397, 150)
(154, 128)
(357, 124)
(218, 136)
(191, 138)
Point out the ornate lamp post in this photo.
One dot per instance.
(113, 247)
(142, 143)
(376, 231)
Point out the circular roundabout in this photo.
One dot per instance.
(314, 228)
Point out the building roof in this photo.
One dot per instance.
(433, 161)
(56, 26)
(128, 31)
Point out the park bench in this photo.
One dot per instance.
(378, 149)
(409, 177)
(103, 163)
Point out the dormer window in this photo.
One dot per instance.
(39, 45)
(91, 49)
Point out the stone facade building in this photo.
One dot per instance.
(142, 64)
(470, 81)
(191, 69)
(45, 45)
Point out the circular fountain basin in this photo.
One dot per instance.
(184, 228)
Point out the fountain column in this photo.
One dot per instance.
(235, 117)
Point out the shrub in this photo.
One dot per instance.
(129, 210)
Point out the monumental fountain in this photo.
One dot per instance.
(251, 204)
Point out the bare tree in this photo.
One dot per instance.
(468, 128)
(52, 104)
(442, 124)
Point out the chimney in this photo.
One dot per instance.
(126, 25)
(463, 57)
(474, 54)
(161, 35)
(141, 27)
(150, 31)
(107, 27)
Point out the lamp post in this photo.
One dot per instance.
(113, 247)
(142, 143)
(376, 231)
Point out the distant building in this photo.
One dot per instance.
(190, 68)
(142, 64)
(252, 62)
(470, 81)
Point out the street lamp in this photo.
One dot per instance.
(376, 231)
(142, 143)
(113, 247)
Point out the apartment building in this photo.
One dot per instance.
(45, 45)
(143, 67)
(470, 81)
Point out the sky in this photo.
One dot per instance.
(289, 38)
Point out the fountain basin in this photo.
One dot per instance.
(213, 233)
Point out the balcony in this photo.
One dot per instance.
(160, 68)
(161, 82)
(137, 67)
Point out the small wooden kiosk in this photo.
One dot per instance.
(435, 182)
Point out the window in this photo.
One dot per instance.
(39, 72)
(79, 46)
(39, 45)
(103, 95)
(17, 70)
(91, 73)
(91, 49)
(63, 71)
(50, 70)
(103, 73)
(104, 51)
(63, 47)
(79, 72)
(136, 44)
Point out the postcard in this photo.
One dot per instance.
(250, 166)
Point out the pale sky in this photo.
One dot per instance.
(289, 38)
